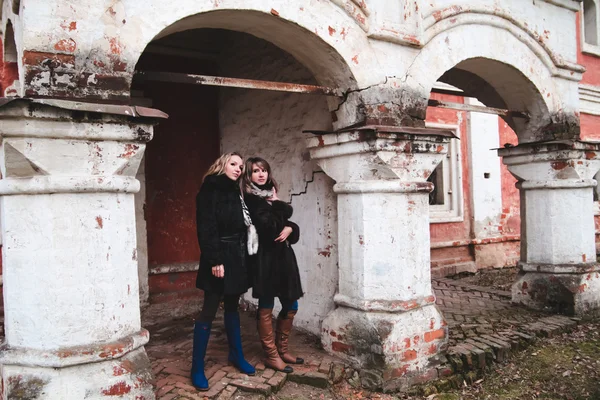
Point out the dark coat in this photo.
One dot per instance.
(274, 268)
(221, 236)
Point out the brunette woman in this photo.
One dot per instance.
(223, 224)
(274, 268)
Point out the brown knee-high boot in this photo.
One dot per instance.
(265, 332)
(284, 327)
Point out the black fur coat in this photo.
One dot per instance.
(222, 236)
(274, 269)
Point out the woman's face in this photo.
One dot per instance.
(259, 175)
(233, 169)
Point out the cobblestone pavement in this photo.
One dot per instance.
(477, 310)
(470, 311)
(170, 351)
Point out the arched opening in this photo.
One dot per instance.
(590, 22)
(479, 223)
(206, 121)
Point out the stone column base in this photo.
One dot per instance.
(393, 350)
(120, 369)
(571, 290)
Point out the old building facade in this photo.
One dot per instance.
(399, 179)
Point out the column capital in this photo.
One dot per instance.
(553, 165)
(380, 153)
(59, 146)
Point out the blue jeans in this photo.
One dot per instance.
(286, 304)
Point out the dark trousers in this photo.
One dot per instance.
(211, 305)
(286, 305)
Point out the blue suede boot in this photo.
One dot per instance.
(234, 337)
(201, 335)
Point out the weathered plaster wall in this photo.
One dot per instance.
(270, 124)
(141, 234)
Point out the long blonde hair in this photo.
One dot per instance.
(218, 167)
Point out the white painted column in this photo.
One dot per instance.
(386, 322)
(558, 264)
(71, 299)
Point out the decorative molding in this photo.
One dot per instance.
(441, 20)
(391, 306)
(357, 10)
(68, 184)
(589, 99)
(73, 356)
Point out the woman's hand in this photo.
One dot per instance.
(274, 197)
(218, 271)
(287, 231)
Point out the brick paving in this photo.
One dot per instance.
(477, 310)
(170, 351)
(484, 327)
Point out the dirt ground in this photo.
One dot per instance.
(565, 367)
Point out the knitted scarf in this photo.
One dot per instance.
(263, 191)
(252, 234)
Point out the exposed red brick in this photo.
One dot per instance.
(433, 335)
(340, 347)
(71, 26)
(66, 45)
(111, 82)
(100, 222)
(118, 389)
(117, 64)
(558, 165)
(115, 45)
(409, 355)
(112, 350)
(42, 58)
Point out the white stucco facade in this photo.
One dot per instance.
(365, 253)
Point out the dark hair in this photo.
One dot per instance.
(247, 173)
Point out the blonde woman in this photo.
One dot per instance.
(223, 224)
